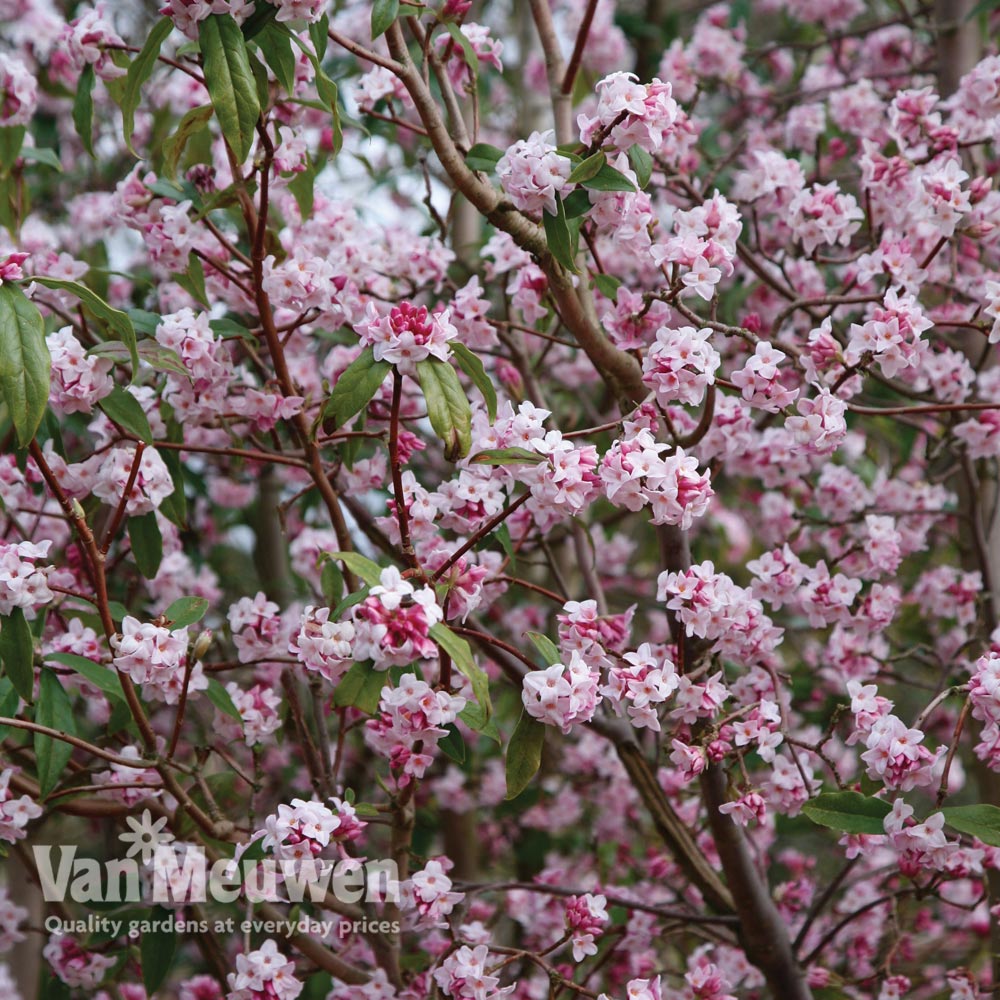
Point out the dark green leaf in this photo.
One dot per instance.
(124, 409)
(25, 364)
(607, 285)
(453, 745)
(219, 697)
(982, 821)
(157, 948)
(448, 409)
(849, 812)
(17, 653)
(384, 12)
(263, 15)
(473, 367)
(118, 321)
(174, 506)
(332, 583)
(83, 107)
(55, 711)
(476, 719)
(608, 179)
(186, 611)
(139, 71)
(483, 157)
(348, 602)
(319, 37)
(102, 677)
(577, 203)
(524, 754)
(11, 144)
(558, 235)
(461, 654)
(588, 168)
(507, 456)
(147, 543)
(9, 701)
(275, 44)
(355, 387)
(230, 81)
(361, 687)
(642, 164)
(545, 646)
(303, 188)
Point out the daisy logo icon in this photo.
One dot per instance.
(144, 835)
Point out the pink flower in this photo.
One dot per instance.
(407, 335)
(532, 173)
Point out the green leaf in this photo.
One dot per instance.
(608, 179)
(303, 188)
(607, 285)
(319, 37)
(461, 654)
(156, 950)
(102, 677)
(9, 701)
(453, 745)
(219, 697)
(139, 71)
(473, 367)
(384, 12)
(982, 821)
(47, 157)
(642, 164)
(83, 108)
(331, 582)
(11, 144)
(186, 611)
(174, 506)
(124, 409)
(348, 602)
(849, 812)
(193, 280)
(545, 646)
(524, 754)
(173, 149)
(25, 364)
(577, 203)
(230, 81)
(163, 359)
(17, 653)
(483, 157)
(276, 46)
(147, 543)
(476, 719)
(54, 710)
(360, 566)
(588, 168)
(558, 235)
(355, 388)
(361, 688)
(507, 456)
(116, 320)
(471, 59)
(448, 409)
(263, 15)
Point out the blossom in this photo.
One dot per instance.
(407, 335)
(533, 173)
(562, 695)
(264, 974)
(15, 811)
(112, 474)
(18, 92)
(156, 657)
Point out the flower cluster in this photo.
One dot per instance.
(23, 584)
(264, 974)
(157, 658)
(408, 335)
(532, 173)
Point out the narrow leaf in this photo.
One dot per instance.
(558, 236)
(83, 107)
(524, 754)
(642, 164)
(102, 677)
(507, 456)
(608, 179)
(473, 367)
(55, 711)
(355, 387)
(461, 654)
(124, 409)
(230, 81)
(453, 745)
(384, 12)
(25, 364)
(147, 543)
(17, 653)
(192, 123)
(276, 47)
(448, 409)
(548, 649)
(360, 566)
(588, 168)
(483, 157)
(982, 821)
(156, 950)
(361, 688)
(139, 71)
(219, 697)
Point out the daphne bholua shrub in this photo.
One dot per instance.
(499, 510)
